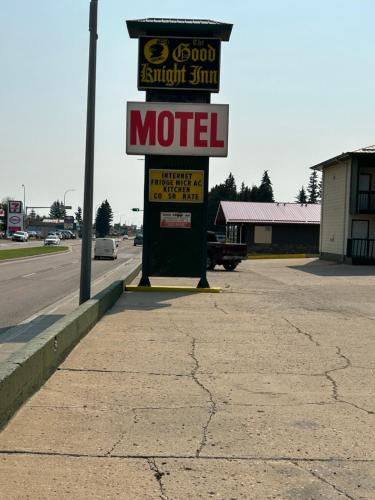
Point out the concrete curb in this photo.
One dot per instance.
(27, 369)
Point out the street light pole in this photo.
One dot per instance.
(67, 191)
(24, 205)
(24, 197)
(85, 281)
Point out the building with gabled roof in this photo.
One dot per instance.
(348, 207)
(271, 227)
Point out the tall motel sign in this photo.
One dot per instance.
(177, 129)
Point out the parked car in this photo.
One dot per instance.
(52, 240)
(105, 248)
(32, 234)
(228, 255)
(73, 236)
(138, 240)
(20, 236)
(39, 235)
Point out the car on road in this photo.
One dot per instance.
(52, 240)
(125, 237)
(20, 236)
(138, 240)
(32, 234)
(105, 248)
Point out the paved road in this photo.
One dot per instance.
(29, 285)
(265, 391)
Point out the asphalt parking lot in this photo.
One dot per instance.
(264, 391)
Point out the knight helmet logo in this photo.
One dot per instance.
(156, 50)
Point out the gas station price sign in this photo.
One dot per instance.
(176, 186)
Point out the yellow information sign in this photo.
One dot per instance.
(176, 186)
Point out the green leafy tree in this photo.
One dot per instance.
(57, 210)
(301, 196)
(104, 217)
(313, 188)
(265, 190)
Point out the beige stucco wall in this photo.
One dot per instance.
(335, 209)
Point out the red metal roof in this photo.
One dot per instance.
(275, 213)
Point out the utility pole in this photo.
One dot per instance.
(85, 283)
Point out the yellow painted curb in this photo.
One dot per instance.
(282, 256)
(190, 289)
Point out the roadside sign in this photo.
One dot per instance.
(178, 186)
(15, 216)
(175, 220)
(158, 128)
(179, 63)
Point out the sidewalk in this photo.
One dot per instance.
(264, 391)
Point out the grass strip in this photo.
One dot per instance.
(17, 253)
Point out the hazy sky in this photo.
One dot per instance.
(298, 76)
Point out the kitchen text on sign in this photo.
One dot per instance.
(179, 186)
(177, 129)
(179, 63)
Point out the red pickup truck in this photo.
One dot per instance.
(228, 255)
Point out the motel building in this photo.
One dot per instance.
(347, 231)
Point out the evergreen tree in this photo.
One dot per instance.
(104, 217)
(320, 189)
(230, 188)
(301, 197)
(245, 193)
(265, 191)
(253, 193)
(57, 210)
(78, 215)
(313, 188)
(226, 191)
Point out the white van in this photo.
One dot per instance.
(105, 247)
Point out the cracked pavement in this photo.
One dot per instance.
(264, 391)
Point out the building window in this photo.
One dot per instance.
(263, 234)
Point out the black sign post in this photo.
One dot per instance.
(178, 62)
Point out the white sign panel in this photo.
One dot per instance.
(175, 219)
(182, 129)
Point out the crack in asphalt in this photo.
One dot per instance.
(218, 308)
(213, 409)
(335, 387)
(229, 458)
(325, 481)
(327, 373)
(94, 370)
(306, 334)
(158, 476)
